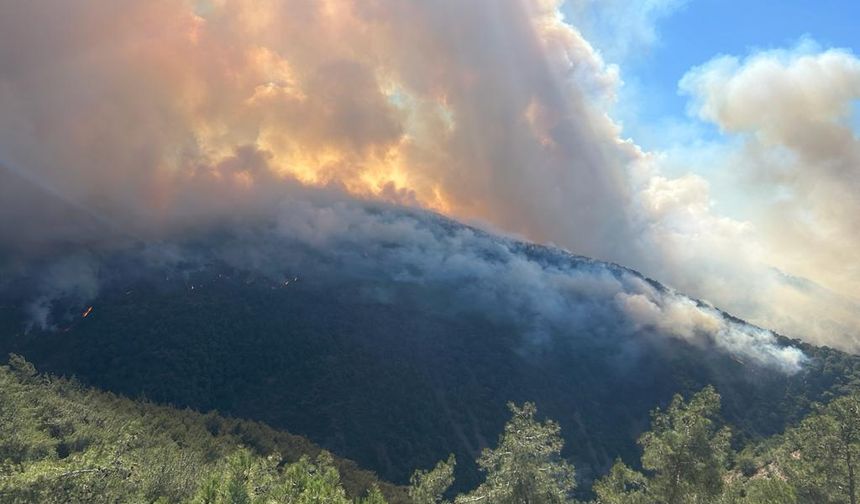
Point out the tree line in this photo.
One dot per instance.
(63, 443)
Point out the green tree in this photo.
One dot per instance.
(374, 496)
(307, 483)
(63, 444)
(770, 490)
(822, 454)
(246, 479)
(685, 452)
(428, 487)
(622, 486)
(526, 467)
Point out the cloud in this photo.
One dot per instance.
(796, 159)
(377, 253)
(685, 319)
(72, 278)
(777, 94)
(137, 111)
(621, 28)
(550, 292)
(136, 121)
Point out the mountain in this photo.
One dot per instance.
(394, 337)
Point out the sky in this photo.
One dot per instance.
(711, 145)
(655, 44)
(673, 36)
(686, 33)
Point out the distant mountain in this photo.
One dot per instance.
(394, 337)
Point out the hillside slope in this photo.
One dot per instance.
(64, 442)
(395, 337)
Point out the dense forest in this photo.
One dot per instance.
(61, 442)
(398, 353)
(396, 372)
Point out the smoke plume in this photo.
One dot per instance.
(377, 252)
(131, 121)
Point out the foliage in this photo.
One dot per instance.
(246, 479)
(822, 454)
(687, 458)
(390, 374)
(622, 486)
(62, 443)
(685, 454)
(761, 490)
(428, 487)
(526, 467)
(685, 451)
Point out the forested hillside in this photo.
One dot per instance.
(429, 252)
(63, 443)
(395, 353)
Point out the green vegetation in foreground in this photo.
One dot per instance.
(62, 443)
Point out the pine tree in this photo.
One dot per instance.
(428, 487)
(768, 490)
(823, 453)
(374, 496)
(622, 486)
(685, 451)
(526, 467)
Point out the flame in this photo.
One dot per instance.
(87, 312)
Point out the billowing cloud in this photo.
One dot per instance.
(131, 120)
(378, 253)
(683, 318)
(139, 110)
(797, 160)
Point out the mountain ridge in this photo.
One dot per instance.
(357, 337)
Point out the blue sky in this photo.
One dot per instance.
(688, 34)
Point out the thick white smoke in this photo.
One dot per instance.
(153, 111)
(132, 119)
(330, 241)
(796, 157)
